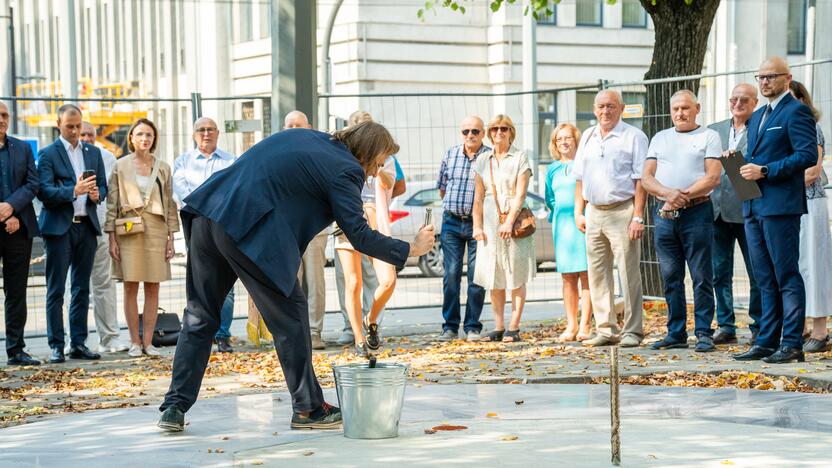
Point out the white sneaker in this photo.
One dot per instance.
(473, 336)
(135, 350)
(116, 347)
(152, 351)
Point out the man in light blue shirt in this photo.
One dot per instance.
(190, 170)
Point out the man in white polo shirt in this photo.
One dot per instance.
(682, 169)
(608, 169)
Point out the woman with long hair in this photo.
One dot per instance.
(569, 241)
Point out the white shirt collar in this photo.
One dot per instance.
(776, 101)
(68, 146)
(217, 153)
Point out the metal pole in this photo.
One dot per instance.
(73, 56)
(196, 106)
(615, 432)
(530, 127)
(13, 70)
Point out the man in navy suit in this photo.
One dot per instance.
(781, 146)
(69, 225)
(18, 187)
(253, 221)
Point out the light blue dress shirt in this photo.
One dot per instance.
(192, 169)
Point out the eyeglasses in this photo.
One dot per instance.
(205, 130)
(499, 129)
(770, 77)
(472, 131)
(566, 138)
(741, 100)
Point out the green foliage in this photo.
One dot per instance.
(537, 8)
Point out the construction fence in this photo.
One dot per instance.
(425, 126)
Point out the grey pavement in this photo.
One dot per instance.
(506, 425)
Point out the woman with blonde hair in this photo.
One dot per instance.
(141, 220)
(503, 262)
(569, 241)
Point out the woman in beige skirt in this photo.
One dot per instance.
(141, 257)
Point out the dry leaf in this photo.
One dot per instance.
(509, 437)
(726, 462)
(491, 415)
(256, 462)
(306, 454)
(219, 450)
(224, 438)
(518, 402)
(448, 427)
(430, 431)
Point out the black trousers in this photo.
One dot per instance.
(214, 264)
(15, 250)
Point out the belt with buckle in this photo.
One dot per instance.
(675, 214)
(460, 217)
(611, 206)
(78, 219)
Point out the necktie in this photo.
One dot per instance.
(765, 117)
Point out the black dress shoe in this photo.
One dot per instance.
(784, 355)
(82, 352)
(724, 337)
(57, 356)
(755, 353)
(224, 345)
(172, 420)
(22, 359)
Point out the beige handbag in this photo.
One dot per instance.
(129, 225)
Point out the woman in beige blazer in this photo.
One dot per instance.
(142, 257)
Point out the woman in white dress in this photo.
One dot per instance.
(503, 262)
(815, 244)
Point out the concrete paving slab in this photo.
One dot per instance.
(556, 425)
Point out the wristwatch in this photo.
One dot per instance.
(764, 170)
(638, 219)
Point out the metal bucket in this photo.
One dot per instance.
(371, 399)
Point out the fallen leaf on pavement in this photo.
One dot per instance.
(306, 454)
(448, 427)
(430, 431)
(518, 402)
(509, 437)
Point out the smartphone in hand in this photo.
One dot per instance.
(87, 174)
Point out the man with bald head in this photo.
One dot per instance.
(18, 226)
(729, 225)
(608, 168)
(101, 282)
(190, 170)
(456, 187)
(782, 144)
(312, 263)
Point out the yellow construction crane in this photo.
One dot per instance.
(107, 116)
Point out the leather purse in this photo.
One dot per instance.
(129, 225)
(167, 329)
(525, 224)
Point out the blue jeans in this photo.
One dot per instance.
(774, 243)
(723, 262)
(687, 238)
(226, 316)
(456, 234)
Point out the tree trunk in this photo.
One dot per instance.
(681, 40)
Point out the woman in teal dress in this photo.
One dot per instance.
(570, 243)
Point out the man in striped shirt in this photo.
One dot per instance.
(456, 186)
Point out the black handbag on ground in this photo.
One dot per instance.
(167, 329)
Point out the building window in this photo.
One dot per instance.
(548, 19)
(242, 21)
(797, 27)
(547, 118)
(589, 12)
(584, 115)
(633, 15)
(265, 18)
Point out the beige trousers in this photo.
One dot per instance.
(311, 277)
(607, 243)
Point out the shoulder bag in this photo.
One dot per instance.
(129, 225)
(525, 224)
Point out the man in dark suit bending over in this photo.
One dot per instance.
(253, 221)
(781, 146)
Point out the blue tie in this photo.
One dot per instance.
(765, 117)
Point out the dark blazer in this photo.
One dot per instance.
(281, 193)
(787, 144)
(24, 184)
(724, 197)
(57, 187)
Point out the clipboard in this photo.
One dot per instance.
(745, 189)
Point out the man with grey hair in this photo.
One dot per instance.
(608, 168)
(681, 170)
(102, 283)
(313, 261)
(190, 170)
(729, 224)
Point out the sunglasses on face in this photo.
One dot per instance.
(473, 131)
(500, 129)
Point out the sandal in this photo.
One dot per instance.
(494, 335)
(566, 337)
(512, 336)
